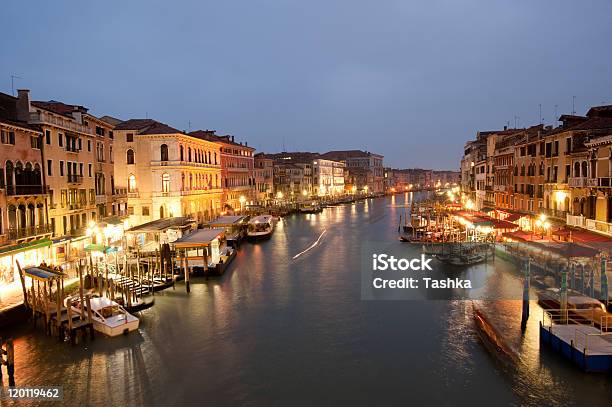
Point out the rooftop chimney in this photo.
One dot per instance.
(23, 104)
(232, 139)
(505, 128)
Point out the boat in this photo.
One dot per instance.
(493, 340)
(461, 260)
(311, 207)
(260, 227)
(109, 318)
(580, 308)
(460, 254)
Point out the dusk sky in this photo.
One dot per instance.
(410, 80)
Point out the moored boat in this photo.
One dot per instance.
(108, 317)
(260, 227)
(311, 207)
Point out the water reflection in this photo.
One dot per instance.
(294, 331)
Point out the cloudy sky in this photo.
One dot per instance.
(412, 80)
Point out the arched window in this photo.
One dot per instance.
(190, 181)
(37, 175)
(131, 183)
(182, 153)
(577, 169)
(189, 154)
(165, 182)
(209, 157)
(161, 212)
(584, 169)
(164, 152)
(9, 169)
(215, 158)
(130, 156)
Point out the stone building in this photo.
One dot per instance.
(166, 172)
(237, 169)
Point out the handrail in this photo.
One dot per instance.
(562, 316)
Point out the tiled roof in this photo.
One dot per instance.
(600, 111)
(146, 126)
(111, 120)
(596, 123)
(134, 124)
(59, 107)
(211, 136)
(160, 128)
(344, 154)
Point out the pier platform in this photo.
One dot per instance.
(585, 345)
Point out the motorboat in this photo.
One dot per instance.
(260, 227)
(108, 317)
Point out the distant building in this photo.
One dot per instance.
(264, 178)
(364, 171)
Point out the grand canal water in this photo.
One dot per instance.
(295, 331)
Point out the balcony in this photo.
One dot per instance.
(72, 148)
(590, 224)
(133, 193)
(600, 182)
(74, 179)
(17, 190)
(59, 121)
(554, 213)
(33, 231)
(101, 199)
(180, 163)
(577, 182)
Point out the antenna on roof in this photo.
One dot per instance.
(189, 126)
(13, 77)
(573, 105)
(284, 150)
(540, 105)
(556, 117)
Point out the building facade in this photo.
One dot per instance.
(237, 170)
(166, 172)
(364, 170)
(264, 178)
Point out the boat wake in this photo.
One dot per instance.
(312, 246)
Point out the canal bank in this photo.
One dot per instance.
(293, 330)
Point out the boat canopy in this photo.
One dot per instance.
(199, 238)
(163, 224)
(228, 220)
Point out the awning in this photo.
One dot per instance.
(100, 248)
(199, 238)
(487, 209)
(163, 224)
(227, 220)
(43, 274)
(22, 247)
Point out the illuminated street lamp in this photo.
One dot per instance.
(469, 205)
